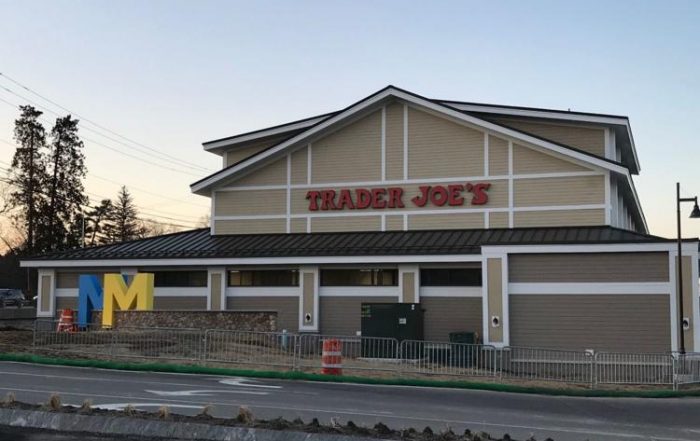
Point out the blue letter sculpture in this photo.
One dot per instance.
(89, 298)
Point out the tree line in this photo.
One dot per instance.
(46, 198)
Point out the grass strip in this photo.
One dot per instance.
(296, 375)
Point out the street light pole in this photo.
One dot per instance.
(694, 214)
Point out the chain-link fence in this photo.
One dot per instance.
(381, 356)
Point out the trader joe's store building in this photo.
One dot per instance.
(520, 224)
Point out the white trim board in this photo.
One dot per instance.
(451, 291)
(263, 291)
(358, 291)
(615, 288)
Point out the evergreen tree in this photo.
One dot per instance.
(97, 224)
(66, 194)
(28, 175)
(123, 220)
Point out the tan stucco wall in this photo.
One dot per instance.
(445, 221)
(408, 280)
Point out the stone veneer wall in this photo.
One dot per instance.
(233, 320)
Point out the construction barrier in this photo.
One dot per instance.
(331, 357)
(66, 321)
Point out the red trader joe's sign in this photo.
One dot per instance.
(394, 197)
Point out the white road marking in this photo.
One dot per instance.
(201, 392)
(121, 406)
(239, 381)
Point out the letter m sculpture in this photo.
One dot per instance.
(89, 298)
(138, 295)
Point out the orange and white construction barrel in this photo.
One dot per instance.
(332, 357)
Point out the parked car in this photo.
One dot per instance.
(12, 297)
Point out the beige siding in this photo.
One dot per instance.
(528, 161)
(341, 315)
(494, 268)
(577, 190)
(409, 287)
(626, 323)
(559, 218)
(394, 223)
(216, 285)
(589, 267)
(172, 303)
(250, 202)
(69, 279)
(65, 303)
(308, 291)
(300, 160)
(394, 142)
(298, 225)
(498, 156)
(274, 173)
(250, 226)
(346, 223)
(287, 309)
(450, 314)
(687, 299)
(445, 221)
(588, 139)
(45, 304)
(240, 153)
(498, 220)
(441, 148)
(351, 154)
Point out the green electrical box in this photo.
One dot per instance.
(400, 321)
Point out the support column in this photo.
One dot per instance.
(46, 300)
(409, 284)
(495, 300)
(308, 300)
(216, 284)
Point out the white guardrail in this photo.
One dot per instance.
(385, 356)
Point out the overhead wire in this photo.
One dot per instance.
(99, 126)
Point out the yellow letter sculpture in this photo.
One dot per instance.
(138, 295)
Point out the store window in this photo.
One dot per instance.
(450, 277)
(263, 278)
(179, 279)
(359, 277)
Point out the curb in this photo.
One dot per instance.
(133, 426)
(295, 375)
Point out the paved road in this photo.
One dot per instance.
(520, 415)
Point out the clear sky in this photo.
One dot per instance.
(171, 74)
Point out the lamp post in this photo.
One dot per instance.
(694, 214)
